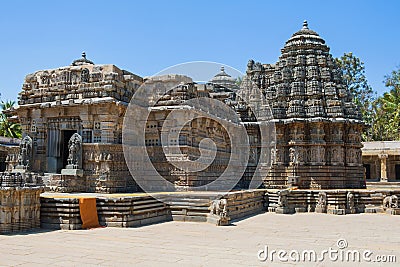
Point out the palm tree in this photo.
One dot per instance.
(8, 128)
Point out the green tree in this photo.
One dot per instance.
(8, 128)
(388, 108)
(353, 73)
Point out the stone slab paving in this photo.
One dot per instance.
(202, 244)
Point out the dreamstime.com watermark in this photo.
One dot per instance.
(340, 253)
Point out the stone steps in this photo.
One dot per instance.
(189, 207)
(132, 211)
(63, 213)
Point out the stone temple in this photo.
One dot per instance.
(318, 127)
(71, 118)
(72, 121)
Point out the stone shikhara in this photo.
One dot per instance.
(316, 121)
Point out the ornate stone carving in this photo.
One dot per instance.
(293, 156)
(322, 203)
(391, 202)
(350, 203)
(282, 199)
(273, 155)
(75, 150)
(25, 152)
(85, 75)
(219, 207)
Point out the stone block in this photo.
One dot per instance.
(300, 209)
(285, 210)
(373, 209)
(72, 172)
(336, 211)
(351, 211)
(393, 211)
(320, 209)
(218, 220)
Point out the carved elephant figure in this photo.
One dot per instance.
(391, 202)
(219, 207)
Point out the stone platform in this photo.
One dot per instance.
(61, 210)
(338, 202)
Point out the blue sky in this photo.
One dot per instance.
(148, 36)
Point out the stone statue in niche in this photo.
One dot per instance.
(273, 155)
(350, 205)
(45, 79)
(85, 76)
(322, 203)
(292, 152)
(25, 151)
(74, 149)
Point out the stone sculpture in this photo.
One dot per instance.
(219, 208)
(25, 152)
(350, 203)
(322, 203)
(350, 200)
(74, 148)
(282, 199)
(390, 202)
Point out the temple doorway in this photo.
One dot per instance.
(63, 160)
(397, 172)
(367, 171)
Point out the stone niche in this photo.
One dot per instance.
(318, 127)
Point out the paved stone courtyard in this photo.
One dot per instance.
(202, 244)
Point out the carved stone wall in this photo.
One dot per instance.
(86, 99)
(19, 208)
(318, 128)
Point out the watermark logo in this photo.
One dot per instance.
(340, 253)
(182, 132)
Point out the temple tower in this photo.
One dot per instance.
(318, 127)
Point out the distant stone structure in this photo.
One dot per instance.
(316, 121)
(381, 160)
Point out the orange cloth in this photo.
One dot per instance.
(88, 211)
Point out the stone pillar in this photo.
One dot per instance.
(383, 158)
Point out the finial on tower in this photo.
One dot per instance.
(82, 61)
(305, 24)
(222, 69)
